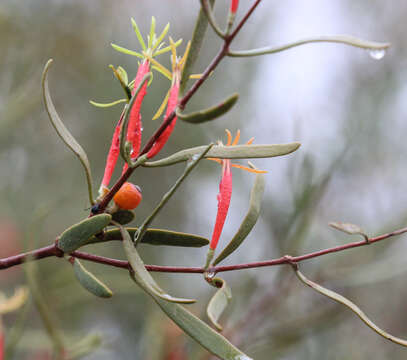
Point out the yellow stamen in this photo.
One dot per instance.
(236, 138)
(249, 169)
(164, 70)
(229, 134)
(215, 159)
(184, 57)
(162, 106)
(173, 54)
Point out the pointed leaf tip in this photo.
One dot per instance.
(90, 282)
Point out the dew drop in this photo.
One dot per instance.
(195, 157)
(242, 357)
(377, 54)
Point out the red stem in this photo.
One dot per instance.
(52, 250)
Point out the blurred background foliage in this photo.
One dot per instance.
(347, 109)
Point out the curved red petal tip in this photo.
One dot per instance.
(224, 196)
(172, 104)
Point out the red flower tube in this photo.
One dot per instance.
(233, 6)
(172, 104)
(134, 128)
(224, 196)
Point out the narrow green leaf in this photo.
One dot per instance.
(90, 282)
(123, 217)
(138, 34)
(249, 221)
(155, 237)
(228, 152)
(106, 105)
(79, 234)
(349, 304)
(349, 228)
(126, 51)
(211, 19)
(198, 37)
(211, 340)
(341, 39)
(63, 132)
(219, 302)
(210, 113)
(123, 81)
(141, 275)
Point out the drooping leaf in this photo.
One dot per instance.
(90, 282)
(211, 340)
(14, 302)
(63, 132)
(228, 152)
(123, 217)
(198, 37)
(156, 237)
(79, 234)
(349, 304)
(249, 221)
(219, 302)
(210, 113)
(349, 228)
(141, 275)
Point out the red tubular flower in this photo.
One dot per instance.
(233, 6)
(224, 196)
(172, 104)
(134, 128)
(112, 155)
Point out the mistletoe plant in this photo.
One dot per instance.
(112, 210)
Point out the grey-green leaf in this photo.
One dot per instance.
(210, 113)
(123, 217)
(141, 275)
(249, 221)
(219, 302)
(349, 304)
(90, 282)
(211, 340)
(79, 234)
(198, 37)
(156, 237)
(349, 228)
(63, 132)
(228, 152)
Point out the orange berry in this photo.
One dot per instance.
(128, 197)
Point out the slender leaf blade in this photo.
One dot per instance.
(158, 237)
(219, 302)
(90, 282)
(141, 275)
(211, 113)
(63, 132)
(228, 152)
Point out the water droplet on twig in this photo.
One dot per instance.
(377, 54)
